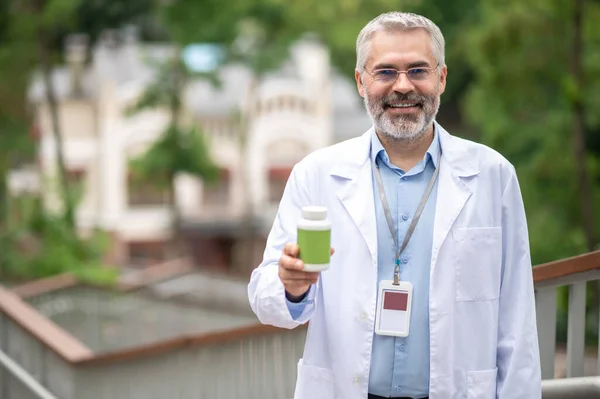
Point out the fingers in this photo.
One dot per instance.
(291, 263)
(293, 275)
(289, 259)
(291, 271)
(291, 249)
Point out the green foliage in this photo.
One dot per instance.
(177, 151)
(165, 90)
(57, 12)
(36, 244)
(206, 21)
(521, 103)
(338, 23)
(93, 16)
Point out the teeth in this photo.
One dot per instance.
(402, 105)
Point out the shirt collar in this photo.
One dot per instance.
(432, 153)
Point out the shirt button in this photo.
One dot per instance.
(356, 380)
(404, 178)
(398, 388)
(405, 217)
(402, 348)
(363, 316)
(404, 259)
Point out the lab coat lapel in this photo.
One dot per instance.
(453, 191)
(353, 182)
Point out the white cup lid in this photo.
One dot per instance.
(314, 212)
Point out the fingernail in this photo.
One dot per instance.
(299, 263)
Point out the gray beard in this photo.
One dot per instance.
(402, 128)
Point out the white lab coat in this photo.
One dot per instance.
(483, 341)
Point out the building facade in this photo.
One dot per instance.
(257, 129)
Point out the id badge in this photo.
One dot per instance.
(393, 309)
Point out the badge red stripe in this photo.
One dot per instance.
(395, 300)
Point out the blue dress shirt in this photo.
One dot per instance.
(400, 366)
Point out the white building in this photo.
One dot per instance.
(299, 108)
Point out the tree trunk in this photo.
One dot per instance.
(178, 239)
(583, 179)
(246, 247)
(4, 195)
(46, 65)
(175, 128)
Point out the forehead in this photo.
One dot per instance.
(400, 48)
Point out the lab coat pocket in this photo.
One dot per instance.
(477, 263)
(481, 384)
(314, 382)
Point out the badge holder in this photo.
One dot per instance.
(393, 309)
(395, 297)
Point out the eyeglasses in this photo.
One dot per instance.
(390, 75)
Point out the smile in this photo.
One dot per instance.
(403, 105)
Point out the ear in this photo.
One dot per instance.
(443, 75)
(359, 83)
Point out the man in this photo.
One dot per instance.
(458, 317)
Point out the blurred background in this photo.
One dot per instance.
(145, 144)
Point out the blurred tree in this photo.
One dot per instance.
(523, 101)
(577, 106)
(40, 27)
(534, 98)
(31, 36)
(93, 16)
(36, 22)
(182, 148)
(16, 59)
(251, 32)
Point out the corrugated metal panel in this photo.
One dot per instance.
(36, 359)
(260, 367)
(109, 321)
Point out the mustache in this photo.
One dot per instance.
(409, 98)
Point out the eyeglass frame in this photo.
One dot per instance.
(398, 72)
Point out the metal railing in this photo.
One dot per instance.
(574, 273)
(17, 383)
(251, 365)
(571, 388)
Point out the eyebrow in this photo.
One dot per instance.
(415, 64)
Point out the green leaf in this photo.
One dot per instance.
(176, 151)
(59, 13)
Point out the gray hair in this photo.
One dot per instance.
(398, 21)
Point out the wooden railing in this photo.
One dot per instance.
(573, 272)
(253, 360)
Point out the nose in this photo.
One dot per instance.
(403, 84)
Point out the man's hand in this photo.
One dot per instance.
(294, 279)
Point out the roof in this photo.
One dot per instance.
(166, 302)
(108, 321)
(132, 64)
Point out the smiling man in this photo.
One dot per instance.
(430, 292)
